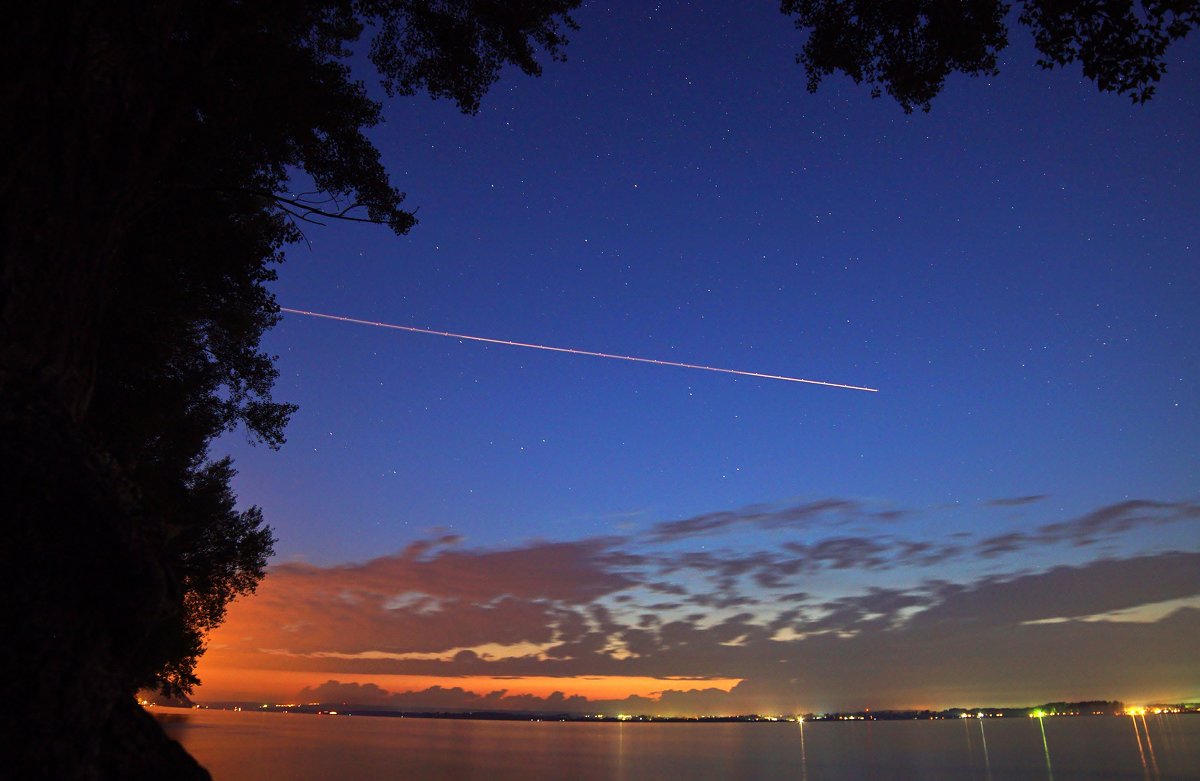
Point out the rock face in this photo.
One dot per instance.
(82, 585)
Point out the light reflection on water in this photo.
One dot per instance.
(1150, 748)
(247, 745)
(621, 751)
(1141, 754)
(803, 755)
(1045, 748)
(987, 763)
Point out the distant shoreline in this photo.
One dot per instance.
(1045, 710)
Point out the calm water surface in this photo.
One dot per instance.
(239, 746)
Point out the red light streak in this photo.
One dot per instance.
(573, 351)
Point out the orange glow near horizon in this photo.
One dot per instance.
(284, 685)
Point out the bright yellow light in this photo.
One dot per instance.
(1135, 711)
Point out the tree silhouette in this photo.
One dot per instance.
(908, 47)
(143, 206)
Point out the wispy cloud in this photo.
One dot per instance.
(1090, 528)
(762, 516)
(1015, 501)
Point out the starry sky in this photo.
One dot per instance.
(469, 525)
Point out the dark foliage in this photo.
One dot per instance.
(1120, 43)
(908, 47)
(456, 49)
(143, 203)
(256, 90)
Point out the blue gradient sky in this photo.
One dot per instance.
(1016, 272)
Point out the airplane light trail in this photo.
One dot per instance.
(571, 350)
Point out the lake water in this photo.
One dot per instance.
(240, 746)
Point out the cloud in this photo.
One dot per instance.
(746, 697)
(842, 553)
(1116, 519)
(1066, 592)
(572, 572)
(440, 699)
(906, 667)
(763, 516)
(1090, 528)
(1015, 501)
(830, 618)
(878, 609)
(925, 554)
(1009, 542)
(418, 602)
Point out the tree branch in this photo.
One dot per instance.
(306, 209)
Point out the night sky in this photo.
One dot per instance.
(1012, 518)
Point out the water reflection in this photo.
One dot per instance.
(621, 751)
(1141, 754)
(987, 762)
(250, 747)
(803, 755)
(1150, 747)
(1045, 745)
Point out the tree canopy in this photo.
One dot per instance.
(265, 92)
(909, 47)
(145, 203)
